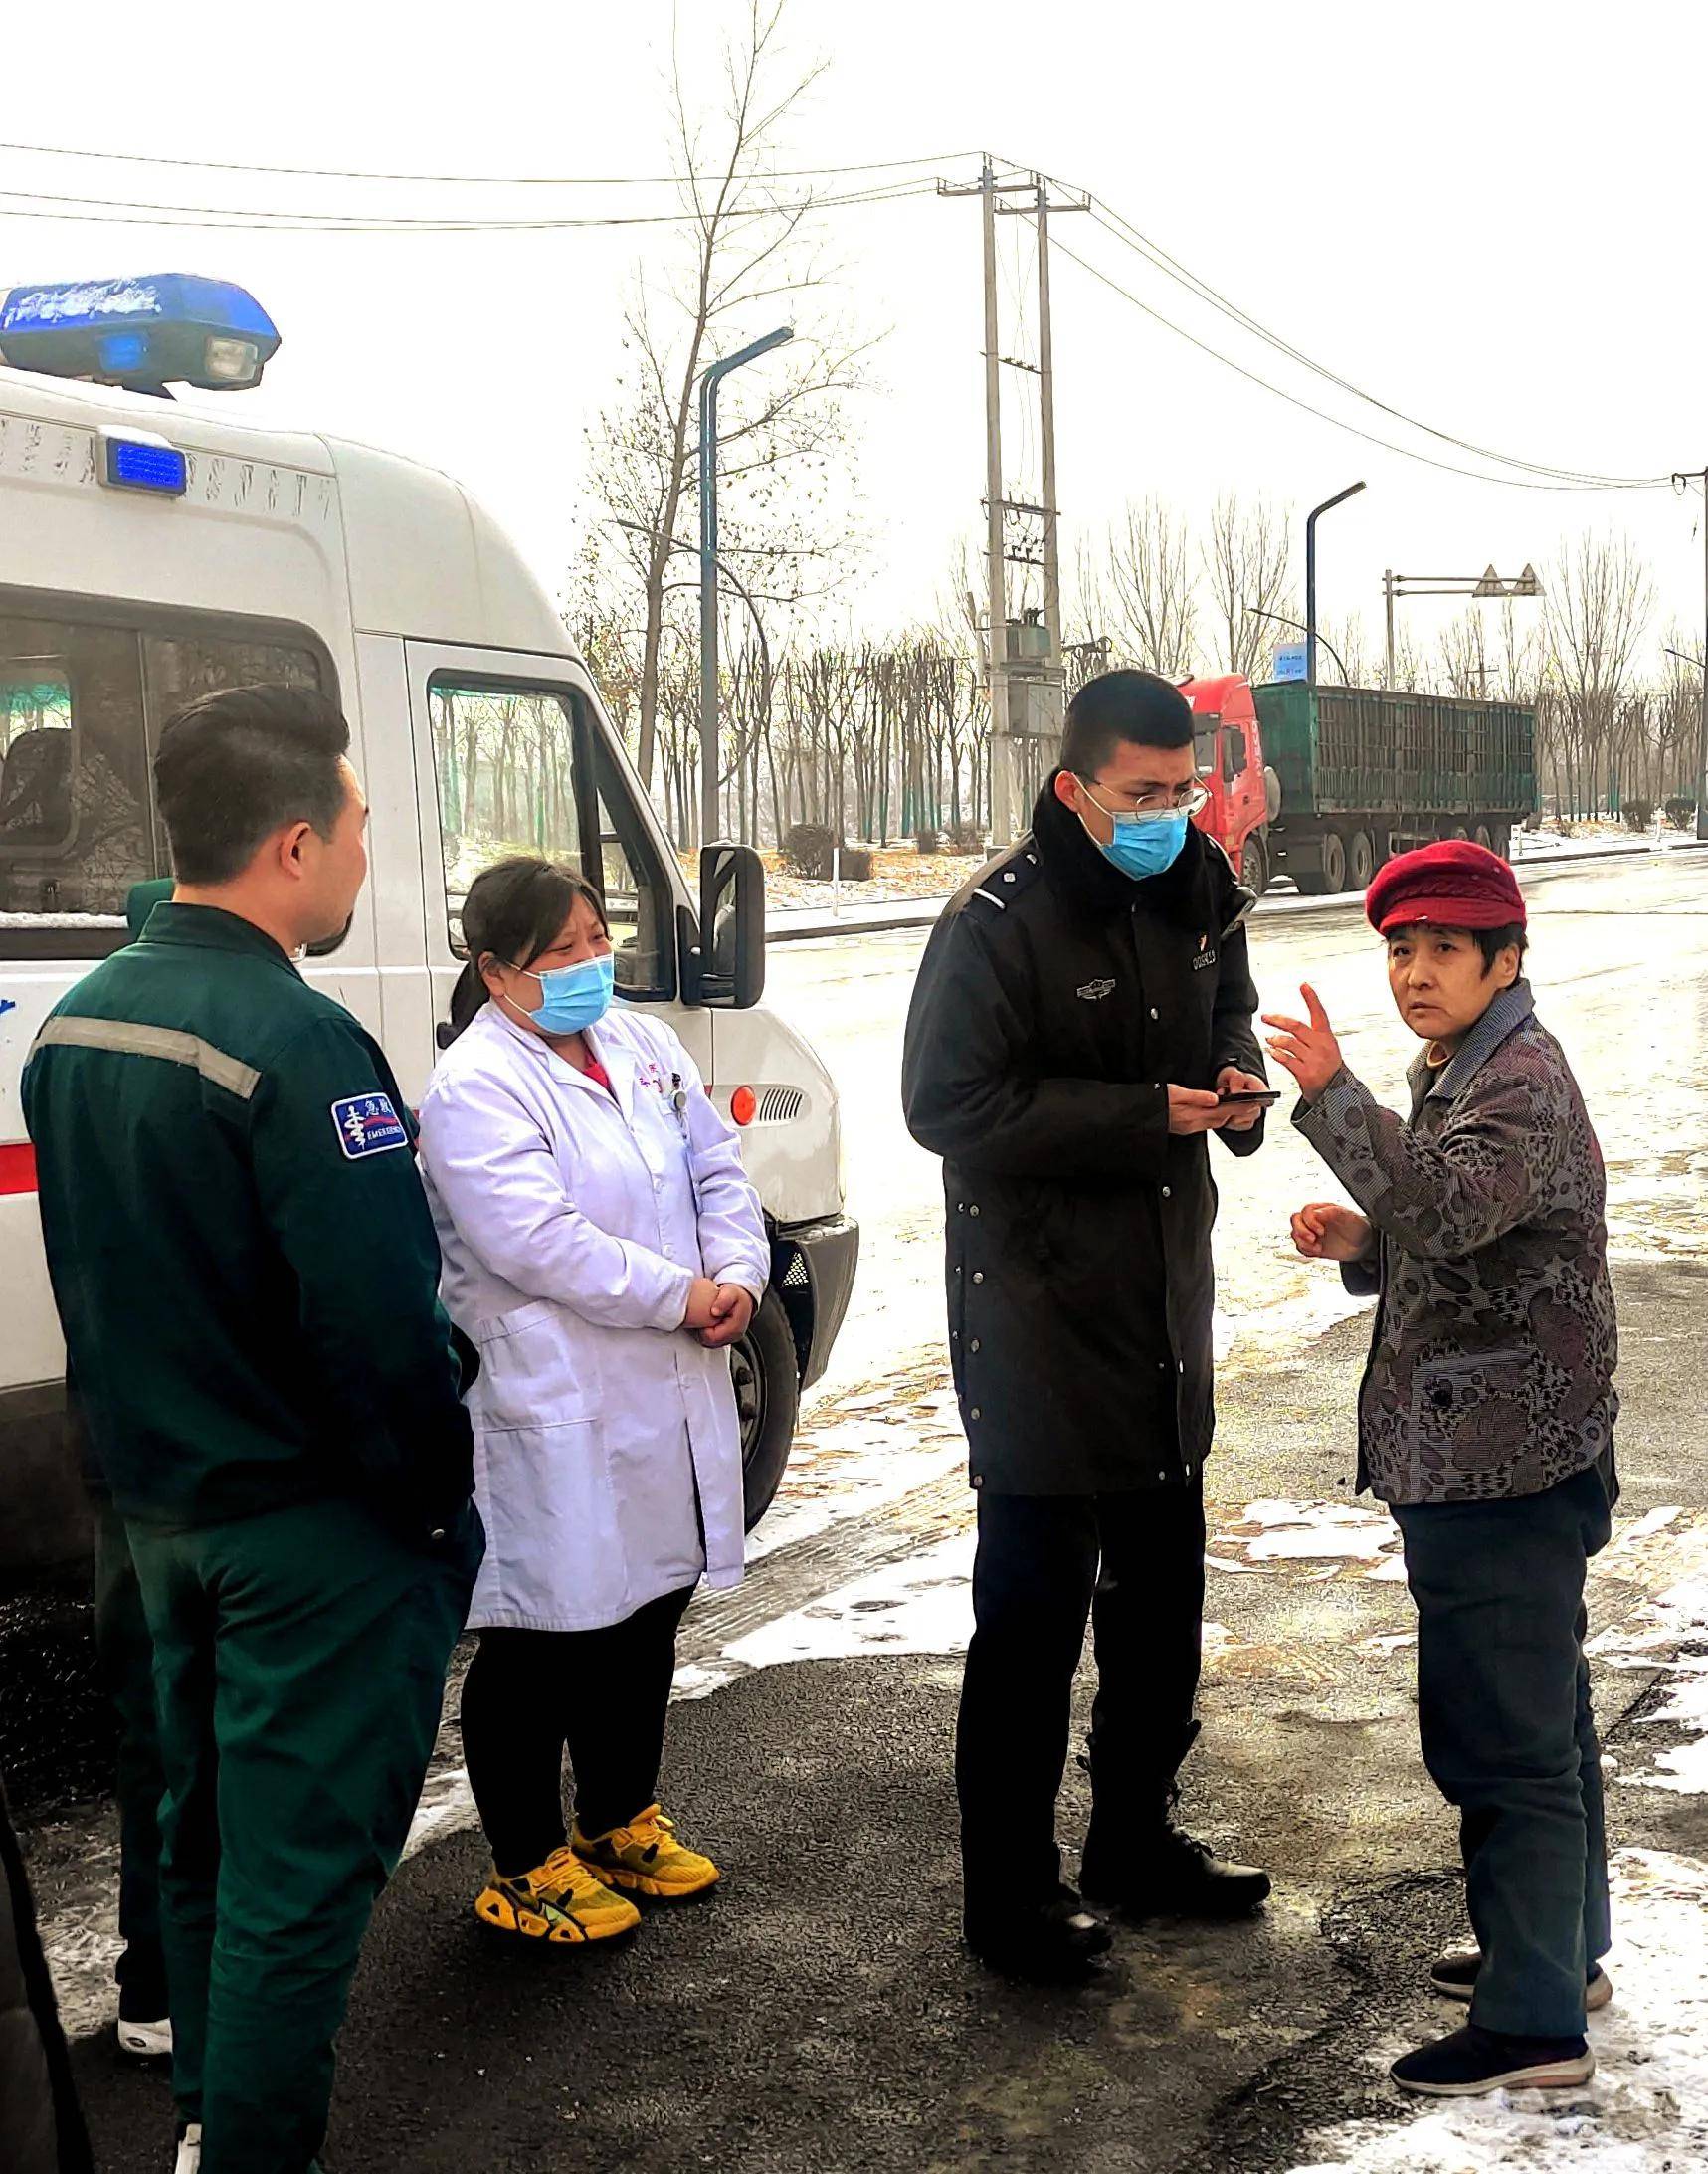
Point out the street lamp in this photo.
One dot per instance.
(708, 384)
(1327, 506)
(1486, 584)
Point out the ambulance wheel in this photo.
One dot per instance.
(767, 1377)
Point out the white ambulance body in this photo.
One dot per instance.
(266, 555)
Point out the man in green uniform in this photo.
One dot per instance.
(247, 1274)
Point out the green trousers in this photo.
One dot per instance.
(299, 1665)
(127, 1664)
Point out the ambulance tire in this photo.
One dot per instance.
(767, 1375)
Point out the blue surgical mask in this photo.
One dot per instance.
(1142, 844)
(573, 997)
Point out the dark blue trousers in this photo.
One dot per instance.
(1503, 1715)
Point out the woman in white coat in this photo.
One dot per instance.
(604, 1249)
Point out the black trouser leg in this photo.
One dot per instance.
(126, 1654)
(603, 1694)
(512, 1743)
(1147, 1622)
(1033, 1578)
(614, 1718)
(1507, 1736)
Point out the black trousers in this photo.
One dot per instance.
(1135, 1564)
(601, 1694)
(1508, 1736)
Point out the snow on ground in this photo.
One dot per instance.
(1646, 2110)
(1335, 1533)
(1668, 1632)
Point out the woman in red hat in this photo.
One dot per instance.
(1486, 1422)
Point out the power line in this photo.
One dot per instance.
(506, 181)
(1113, 223)
(1123, 230)
(22, 203)
(1428, 459)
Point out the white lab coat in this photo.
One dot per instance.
(571, 1235)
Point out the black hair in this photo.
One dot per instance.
(1122, 707)
(1491, 942)
(237, 765)
(515, 911)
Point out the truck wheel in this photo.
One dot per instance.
(1333, 862)
(1484, 837)
(767, 1377)
(1254, 865)
(1360, 861)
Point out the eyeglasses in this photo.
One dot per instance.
(1152, 807)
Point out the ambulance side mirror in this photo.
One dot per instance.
(731, 927)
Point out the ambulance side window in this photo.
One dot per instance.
(83, 697)
(519, 770)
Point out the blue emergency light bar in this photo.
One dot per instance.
(143, 333)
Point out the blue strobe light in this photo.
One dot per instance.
(143, 333)
(139, 461)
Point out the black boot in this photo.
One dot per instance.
(1056, 1941)
(1167, 1873)
(1144, 1866)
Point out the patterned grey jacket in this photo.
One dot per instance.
(1491, 1366)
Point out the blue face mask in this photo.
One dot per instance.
(1142, 844)
(573, 997)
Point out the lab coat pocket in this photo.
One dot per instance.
(531, 1369)
(550, 1511)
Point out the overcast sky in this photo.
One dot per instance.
(1487, 214)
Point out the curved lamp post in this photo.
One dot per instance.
(1328, 505)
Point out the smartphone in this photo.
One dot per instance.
(1264, 1101)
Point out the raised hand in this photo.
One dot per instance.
(1305, 1047)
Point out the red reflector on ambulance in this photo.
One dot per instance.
(18, 1168)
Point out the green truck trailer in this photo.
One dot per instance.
(1364, 773)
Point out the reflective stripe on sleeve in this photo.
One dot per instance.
(129, 1037)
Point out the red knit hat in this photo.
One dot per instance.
(1451, 882)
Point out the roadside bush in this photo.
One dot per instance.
(807, 848)
(1639, 814)
(856, 863)
(1681, 812)
(966, 837)
(927, 841)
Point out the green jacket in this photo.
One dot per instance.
(241, 1250)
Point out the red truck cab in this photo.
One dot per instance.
(1231, 769)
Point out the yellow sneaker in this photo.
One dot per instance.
(559, 1900)
(646, 1856)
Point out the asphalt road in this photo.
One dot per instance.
(819, 2012)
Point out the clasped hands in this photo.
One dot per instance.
(718, 1313)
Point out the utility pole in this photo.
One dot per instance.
(1700, 476)
(1019, 699)
(1047, 434)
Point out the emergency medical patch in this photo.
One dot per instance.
(368, 1124)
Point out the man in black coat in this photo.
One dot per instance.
(1082, 1007)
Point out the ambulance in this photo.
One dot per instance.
(153, 548)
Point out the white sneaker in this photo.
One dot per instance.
(189, 2159)
(145, 2041)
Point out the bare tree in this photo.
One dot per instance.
(1245, 564)
(1153, 595)
(750, 249)
(1600, 600)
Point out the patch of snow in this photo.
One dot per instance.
(922, 1605)
(1646, 2110)
(1275, 1531)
